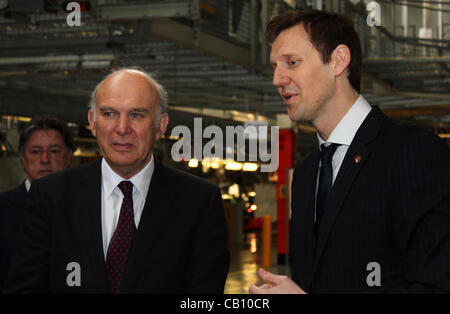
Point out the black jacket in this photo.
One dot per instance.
(12, 204)
(390, 205)
(180, 245)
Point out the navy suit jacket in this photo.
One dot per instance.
(180, 245)
(390, 205)
(12, 204)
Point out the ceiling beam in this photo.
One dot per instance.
(168, 29)
(438, 110)
(397, 60)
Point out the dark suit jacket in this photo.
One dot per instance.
(180, 245)
(392, 207)
(12, 204)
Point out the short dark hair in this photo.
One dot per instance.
(44, 123)
(326, 31)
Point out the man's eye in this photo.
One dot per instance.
(55, 151)
(136, 115)
(292, 62)
(35, 152)
(108, 113)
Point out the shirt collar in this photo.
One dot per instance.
(27, 184)
(346, 129)
(141, 181)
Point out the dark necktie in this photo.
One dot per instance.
(325, 182)
(122, 239)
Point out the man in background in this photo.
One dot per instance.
(45, 146)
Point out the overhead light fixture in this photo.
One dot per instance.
(215, 163)
(253, 207)
(227, 197)
(17, 118)
(206, 162)
(248, 166)
(173, 138)
(193, 163)
(233, 165)
(234, 190)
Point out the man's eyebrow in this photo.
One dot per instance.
(139, 109)
(51, 146)
(133, 109)
(106, 108)
(286, 56)
(291, 55)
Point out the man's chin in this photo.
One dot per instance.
(121, 162)
(293, 114)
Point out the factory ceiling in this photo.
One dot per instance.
(210, 56)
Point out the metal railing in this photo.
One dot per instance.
(377, 41)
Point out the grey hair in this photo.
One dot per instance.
(162, 92)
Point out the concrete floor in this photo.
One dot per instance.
(246, 259)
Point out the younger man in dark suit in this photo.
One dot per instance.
(125, 223)
(371, 206)
(45, 146)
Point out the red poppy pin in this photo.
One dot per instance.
(357, 158)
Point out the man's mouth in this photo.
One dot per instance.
(122, 146)
(288, 97)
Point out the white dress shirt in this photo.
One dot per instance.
(112, 198)
(345, 131)
(27, 185)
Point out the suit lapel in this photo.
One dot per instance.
(156, 215)
(347, 174)
(18, 201)
(89, 207)
(304, 227)
(356, 157)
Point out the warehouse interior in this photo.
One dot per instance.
(212, 57)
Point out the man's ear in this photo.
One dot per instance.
(340, 58)
(163, 122)
(91, 122)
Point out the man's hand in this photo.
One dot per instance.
(275, 284)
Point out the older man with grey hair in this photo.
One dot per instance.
(162, 93)
(114, 225)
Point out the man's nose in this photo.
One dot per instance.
(280, 78)
(45, 158)
(123, 126)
